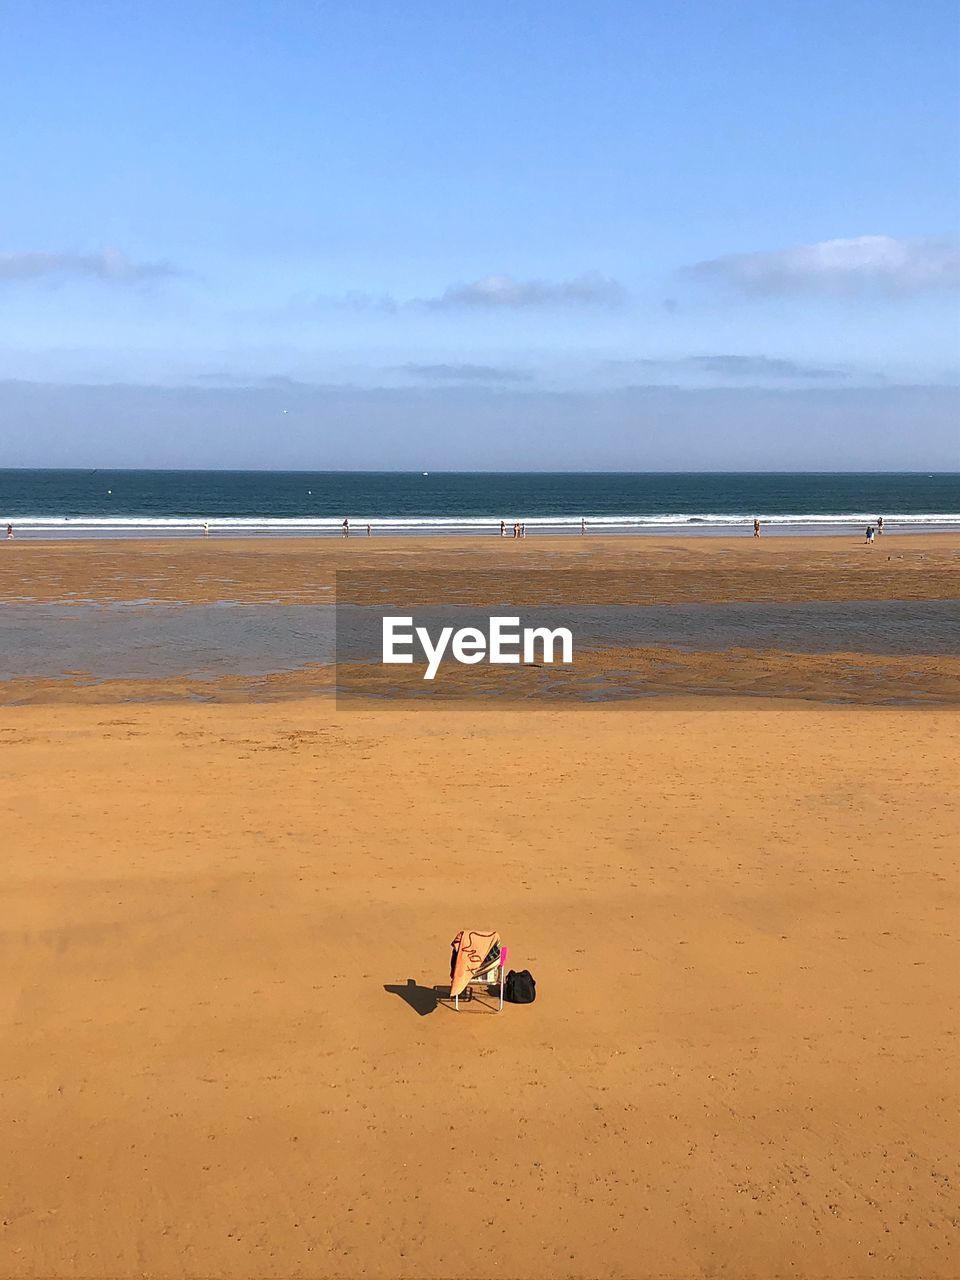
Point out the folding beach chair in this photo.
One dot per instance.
(478, 960)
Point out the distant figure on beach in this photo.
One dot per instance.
(879, 525)
(369, 530)
(756, 528)
(523, 531)
(516, 529)
(869, 533)
(345, 529)
(206, 529)
(9, 532)
(583, 526)
(503, 528)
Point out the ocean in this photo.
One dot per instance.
(96, 503)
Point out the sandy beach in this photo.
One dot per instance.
(302, 570)
(222, 1051)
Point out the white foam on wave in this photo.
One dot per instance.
(79, 524)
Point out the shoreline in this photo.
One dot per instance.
(669, 537)
(192, 528)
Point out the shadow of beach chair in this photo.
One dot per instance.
(422, 1000)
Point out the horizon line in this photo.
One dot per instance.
(412, 471)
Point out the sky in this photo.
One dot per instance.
(591, 235)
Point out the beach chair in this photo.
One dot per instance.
(478, 961)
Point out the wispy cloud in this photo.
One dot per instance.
(108, 265)
(505, 292)
(764, 368)
(491, 293)
(464, 373)
(265, 381)
(865, 263)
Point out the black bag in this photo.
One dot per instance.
(520, 988)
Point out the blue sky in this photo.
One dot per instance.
(517, 201)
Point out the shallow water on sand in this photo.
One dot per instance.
(155, 641)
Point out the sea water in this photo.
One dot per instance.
(257, 503)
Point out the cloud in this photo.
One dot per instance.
(109, 265)
(767, 368)
(879, 264)
(464, 373)
(762, 367)
(267, 381)
(492, 293)
(504, 292)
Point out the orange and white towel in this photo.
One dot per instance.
(475, 953)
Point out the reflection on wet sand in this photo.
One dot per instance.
(163, 621)
(600, 676)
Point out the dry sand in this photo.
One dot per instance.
(742, 1059)
(220, 1055)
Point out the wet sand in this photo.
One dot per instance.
(302, 571)
(791, 595)
(611, 676)
(876, 650)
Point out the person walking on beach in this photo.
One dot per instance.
(9, 532)
(869, 534)
(345, 529)
(369, 531)
(756, 528)
(503, 528)
(523, 531)
(583, 526)
(206, 529)
(879, 525)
